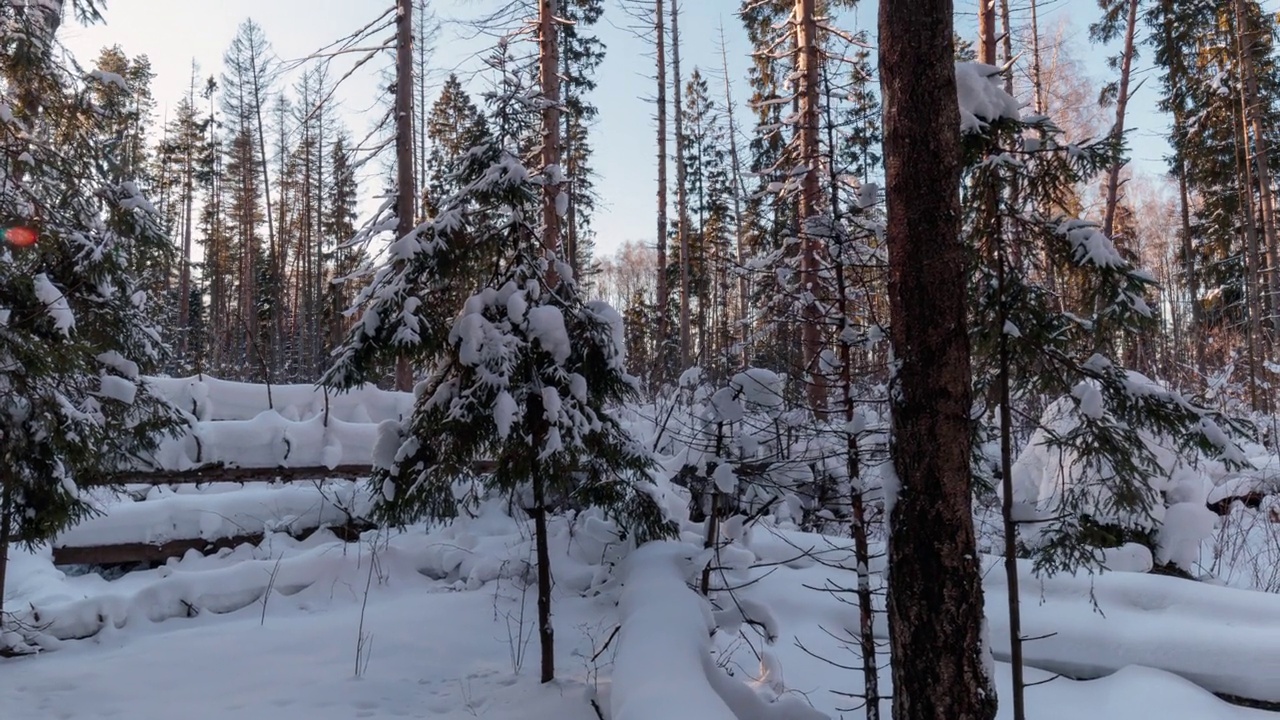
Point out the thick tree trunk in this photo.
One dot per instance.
(1117, 130)
(662, 293)
(682, 194)
(405, 185)
(807, 64)
(935, 592)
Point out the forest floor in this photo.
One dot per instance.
(434, 628)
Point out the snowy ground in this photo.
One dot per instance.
(442, 633)
(440, 623)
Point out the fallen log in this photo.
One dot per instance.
(226, 473)
(131, 553)
(155, 553)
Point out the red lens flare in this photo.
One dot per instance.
(20, 236)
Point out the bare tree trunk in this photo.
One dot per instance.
(548, 65)
(662, 292)
(682, 193)
(935, 592)
(1006, 44)
(184, 278)
(737, 191)
(421, 101)
(1117, 130)
(405, 185)
(1037, 74)
(987, 31)
(266, 193)
(571, 172)
(807, 64)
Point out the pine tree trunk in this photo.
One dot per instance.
(660, 347)
(935, 592)
(682, 193)
(1260, 158)
(405, 185)
(1117, 130)
(987, 31)
(807, 64)
(549, 79)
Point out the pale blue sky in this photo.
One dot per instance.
(172, 32)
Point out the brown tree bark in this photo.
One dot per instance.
(549, 79)
(405, 185)
(807, 64)
(987, 31)
(935, 592)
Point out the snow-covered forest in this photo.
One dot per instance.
(927, 389)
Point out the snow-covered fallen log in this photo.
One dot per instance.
(178, 593)
(209, 398)
(270, 439)
(665, 636)
(252, 510)
(1223, 639)
(53, 606)
(664, 667)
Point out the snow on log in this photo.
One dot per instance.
(659, 671)
(209, 398)
(1222, 639)
(210, 517)
(664, 668)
